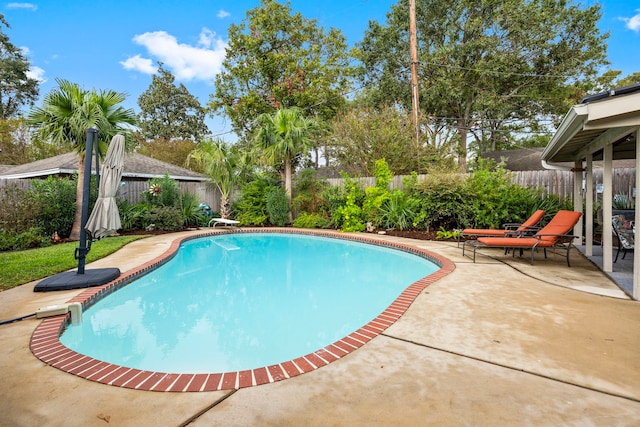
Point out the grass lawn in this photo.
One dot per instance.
(21, 267)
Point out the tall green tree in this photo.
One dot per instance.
(17, 89)
(226, 165)
(279, 59)
(495, 66)
(169, 112)
(283, 138)
(66, 114)
(360, 136)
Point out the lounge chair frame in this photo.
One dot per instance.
(564, 243)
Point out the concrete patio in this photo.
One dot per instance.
(498, 342)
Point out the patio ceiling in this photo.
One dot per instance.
(603, 119)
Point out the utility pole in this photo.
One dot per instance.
(413, 41)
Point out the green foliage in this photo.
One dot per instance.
(251, 208)
(163, 192)
(350, 215)
(444, 201)
(306, 220)
(378, 195)
(57, 200)
(278, 59)
(32, 238)
(398, 211)
(17, 87)
(170, 112)
(277, 206)
(495, 200)
(308, 191)
(192, 214)
(132, 214)
(483, 62)
(622, 201)
(168, 218)
(448, 235)
(19, 211)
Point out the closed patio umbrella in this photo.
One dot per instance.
(105, 218)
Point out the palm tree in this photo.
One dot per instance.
(225, 164)
(66, 114)
(284, 137)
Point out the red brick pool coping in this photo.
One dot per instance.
(46, 346)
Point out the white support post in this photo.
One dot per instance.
(607, 210)
(636, 256)
(577, 199)
(588, 249)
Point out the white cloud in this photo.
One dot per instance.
(633, 23)
(223, 14)
(36, 73)
(138, 63)
(22, 6)
(186, 62)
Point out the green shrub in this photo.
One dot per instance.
(57, 200)
(377, 196)
(18, 210)
(277, 205)
(163, 192)
(251, 208)
(192, 214)
(32, 238)
(444, 201)
(132, 214)
(168, 218)
(350, 215)
(308, 193)
(305, 220)
(398, 211)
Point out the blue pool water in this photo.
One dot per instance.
(242, 301)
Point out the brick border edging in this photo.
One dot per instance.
(45, 342)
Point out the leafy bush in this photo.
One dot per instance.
(19, 210)
(163, 192)
(32, 238)
(378, 195)
(277, 206)
(336, 199)
(350, 215)
(251, 208)
(444, 201)
(132, 214)
(168, 218)
(57, 200)
(305, 220)
(192, 213)
(398, 211)
(308, 190)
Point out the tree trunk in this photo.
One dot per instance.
(225, 207)
(77, 218)
(287, 186)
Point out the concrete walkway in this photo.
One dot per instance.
(498, 342)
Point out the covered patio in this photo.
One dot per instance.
(603, 127)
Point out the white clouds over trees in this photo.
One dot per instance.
(186, 62)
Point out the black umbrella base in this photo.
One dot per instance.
(72, 280)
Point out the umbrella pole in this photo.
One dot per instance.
(82, 250)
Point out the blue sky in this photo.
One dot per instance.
(116, 44)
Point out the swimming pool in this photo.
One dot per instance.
(241, 301)
(211, 308)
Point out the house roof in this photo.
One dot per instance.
(135, 166)
(606, 118)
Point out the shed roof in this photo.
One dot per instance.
(135, 166)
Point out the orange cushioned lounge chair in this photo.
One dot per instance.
(554, 235)
(512, 228)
